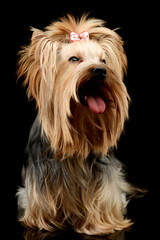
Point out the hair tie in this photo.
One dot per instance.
(78, 36)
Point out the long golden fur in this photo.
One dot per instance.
(69, 178)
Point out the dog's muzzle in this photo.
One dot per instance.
(92, 92)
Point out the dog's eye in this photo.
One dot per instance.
(73, 59)
(103, 61)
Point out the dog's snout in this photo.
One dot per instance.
(99, 73)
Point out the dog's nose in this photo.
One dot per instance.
(99, 73)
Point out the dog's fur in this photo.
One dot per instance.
(70, 177)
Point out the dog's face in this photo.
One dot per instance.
(78, 87)
(84, 74)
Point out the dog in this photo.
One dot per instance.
(74, 70)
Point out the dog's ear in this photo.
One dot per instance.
(37, 34)
(37, 63)
(112, 45)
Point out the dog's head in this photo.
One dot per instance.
(74, 70)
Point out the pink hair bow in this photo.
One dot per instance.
(76, 36)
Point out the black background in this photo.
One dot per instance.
(138, 147)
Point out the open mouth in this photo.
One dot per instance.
(94, 95)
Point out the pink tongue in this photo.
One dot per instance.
(96, 104)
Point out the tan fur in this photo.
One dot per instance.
(94, 204)
(50, 76)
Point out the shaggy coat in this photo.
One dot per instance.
(70, 177)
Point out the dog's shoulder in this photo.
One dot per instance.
(38, 147)
(38, 154)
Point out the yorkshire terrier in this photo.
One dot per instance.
(74, 71)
